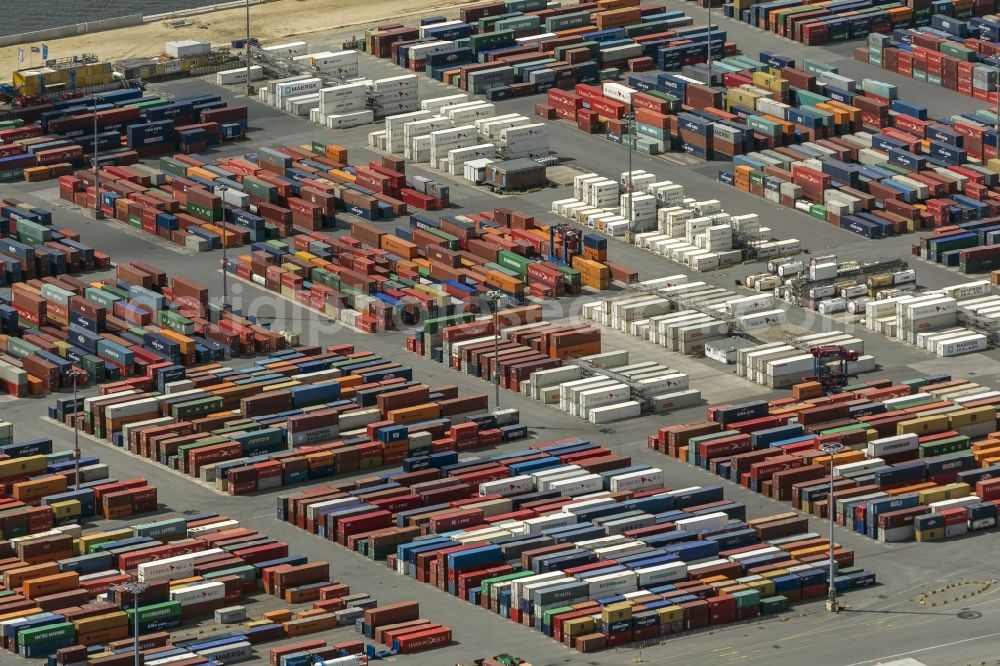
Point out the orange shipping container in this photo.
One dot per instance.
(310, 625)
(103, 636)
(14, 578)
(424, 412)
(53, 584)
(29, 491)
(395, 245)
(337, 153)
(101, 622)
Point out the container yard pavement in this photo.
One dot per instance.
(884, 621)
(882, 616)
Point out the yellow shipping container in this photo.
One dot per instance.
(83, 544)
(283, 385)
(616, 612)
(942, 493)
(925, 425)
(203, 173)
(66, 509)
(765, 587)
(973, 415)
(670, 614)
(578, 626)
(23, 466)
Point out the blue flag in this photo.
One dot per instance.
(45, 51)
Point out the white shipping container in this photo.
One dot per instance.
(891, 445)
(963, 345)
(612, 413)
(640, 480)
(695, 524)
(348, 120)
(661, 574)
(285, 50)
(514, 485)
(533, 526)
(198, 593)
(675, 400)
(578, 485)
(230, 77)
(610, 584)
(395, 83)
(132, 408)
(180, 566)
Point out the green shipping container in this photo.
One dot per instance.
(514, 262)
(806, 98)
(160, 611)
(567, 21)
(175, 322)
(746, 598)
(487, 584)
(204, 212)
(173, 167)
(435, 325)
(162, 528)
(525, 5)
(487, 41)
(242, 426)
(195, 408)
(772, 605)
(813, 66)
(942, 446)
(519, 23)
(46, 633)
(260, 188)
(120, 293)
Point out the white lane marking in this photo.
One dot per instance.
(926, 649)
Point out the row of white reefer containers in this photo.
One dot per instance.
(602, 398)
(448, 132)
(682, 316)
(698, 234)
(929, 320)
(780, 365)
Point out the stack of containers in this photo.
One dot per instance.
(834, 22)
(399, 628)
(955, 51)
(682, 316)
(30, 247)
(34, 474)
(201, 203)
(929, 320)
(90, 330)
(377, 281)
(781, 365)
(513, 345)
(698, 234)
(916, 465)
(577, 542)
(129, 127)
(65, 599)
(600, 399)
(304, 414)
(888, 299)
(518, 51)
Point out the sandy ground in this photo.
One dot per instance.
(271, 23)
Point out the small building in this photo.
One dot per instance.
(724, 350)
(519, 174)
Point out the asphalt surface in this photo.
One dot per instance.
(882, 623)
